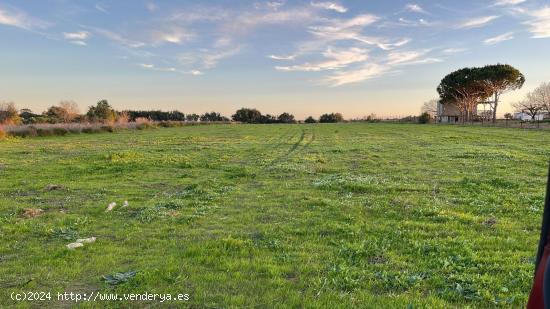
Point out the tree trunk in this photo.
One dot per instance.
(495, 107)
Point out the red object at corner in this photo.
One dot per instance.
(536, 298)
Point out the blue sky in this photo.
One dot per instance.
(304, 57)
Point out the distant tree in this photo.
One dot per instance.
(9, 114)
(247, 115)
(102, 112)
(508, 116)
(71, 110)
(213, 116)
(498, 79)
(156, 115)
(462, 87)
(268, 119)
(310, 119)
(55, 114)
(430, 107)
(372, 118)
(541, 96)
(529, 107)
(331, 118)
(192, 117)
(286, 118)
(28, 117)
(424, 118)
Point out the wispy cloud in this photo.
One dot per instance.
(499, 38)
(151, 6)
(79, 43)
(275, 57)
(336, 59)
(17, 18)
(352, 30)
(508, 2)
(80, 35)
(206, 59)
(117, 38)
(539, 23)
(102, 8)
(453, 50)
(412, 7)
(153, 67)
(330, 6)
(365, 72)
(477, 22)
(176, 35)
(275, 5)
(410, 57)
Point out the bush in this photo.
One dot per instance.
(310, 120)
(102, 112)
(90, 129)
(44, 132)
(424, 118)
(59, 131)
(24, 131)
(107, 128)
(9, 114)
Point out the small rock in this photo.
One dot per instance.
(74, 245)
(86, 240)
(32, 212)
(111, 206)
(125, 204)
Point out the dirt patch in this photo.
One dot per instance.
(490, 222)
(32, 212)
(52, 187)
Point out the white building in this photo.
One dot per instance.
(526, 117)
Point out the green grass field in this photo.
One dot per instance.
(277, 216)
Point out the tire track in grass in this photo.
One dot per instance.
(252, 152)
(293, 149)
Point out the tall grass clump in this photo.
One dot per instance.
(143, 123)
(3, 133)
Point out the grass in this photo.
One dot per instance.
(277, 216)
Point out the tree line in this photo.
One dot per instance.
(103, 112)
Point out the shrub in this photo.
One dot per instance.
(424, 118)
(102, 112)
(24, 131)
(44, 131)
(91, 129)
(107, 128)
(9, 114)
(123, 117)
(310, 120)
(59, 131)
(143, 123)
